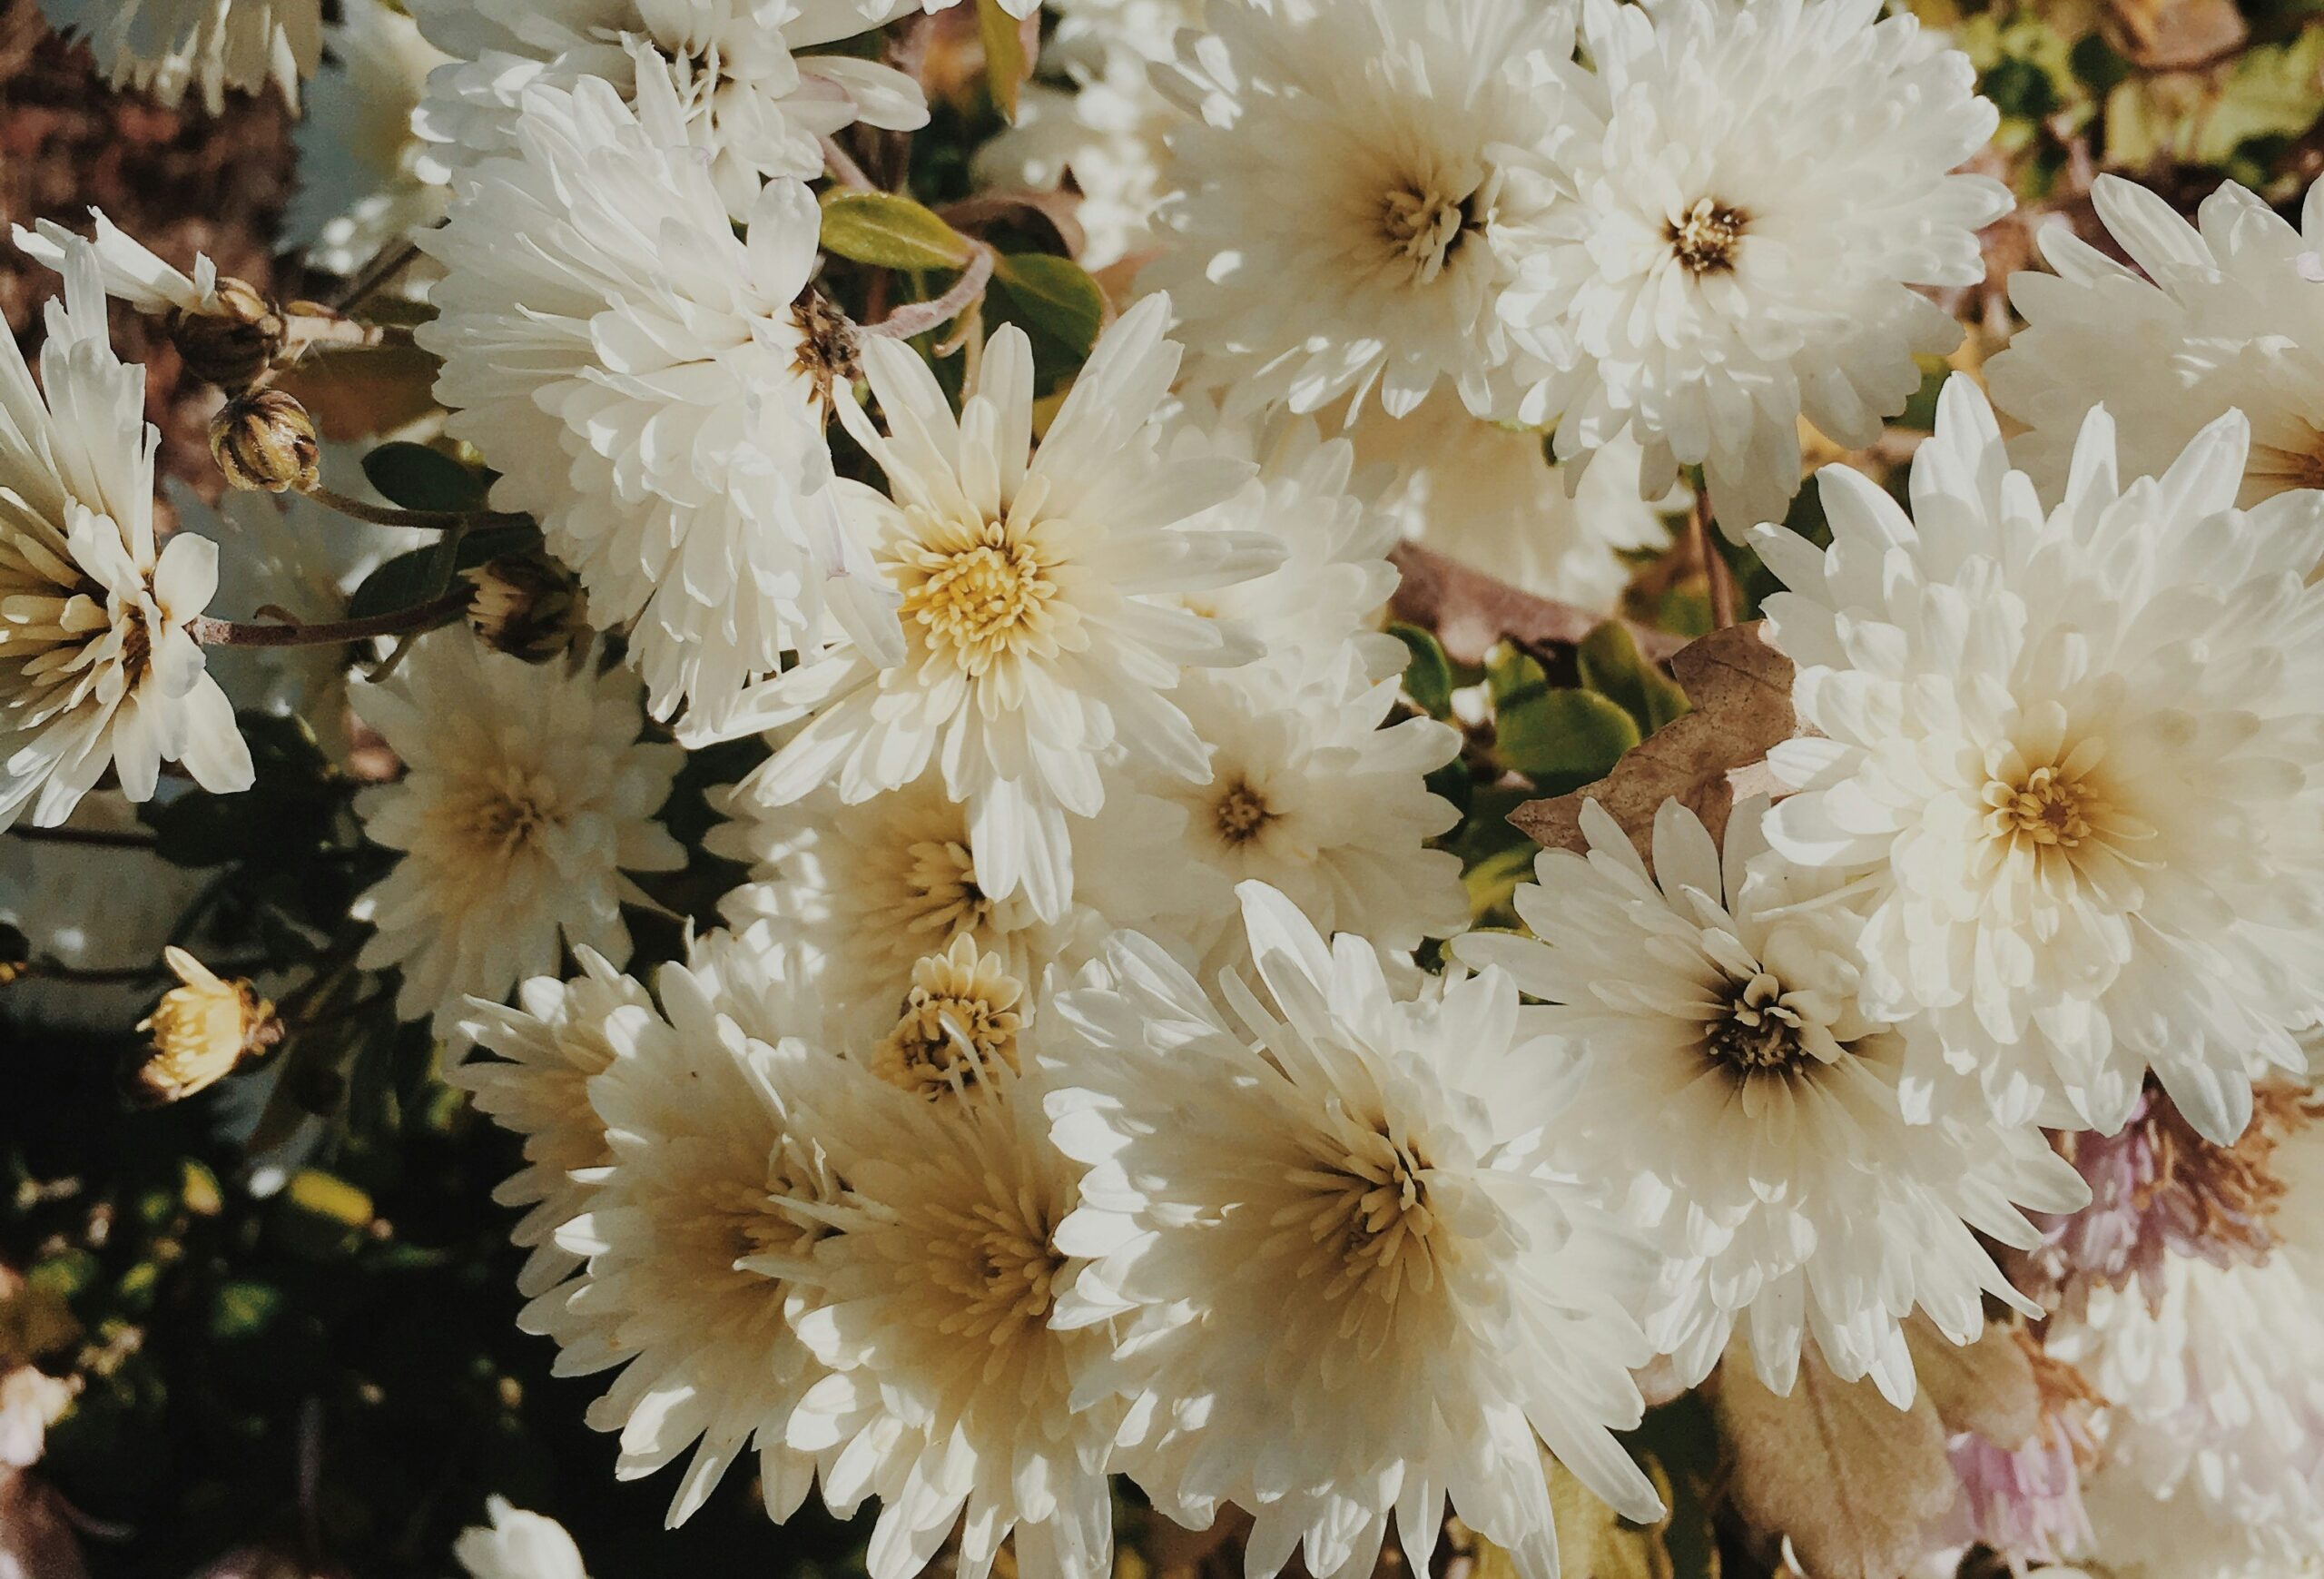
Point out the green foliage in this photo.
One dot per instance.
(890, 232)
(1054, 295)
(415, 477)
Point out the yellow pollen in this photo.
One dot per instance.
(959, 1019)
(2047, 808)
(980, 602)
(1705, 241)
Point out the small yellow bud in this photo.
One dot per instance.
(233, 344)
(525, 606)
(264, 441)
(202, 1030)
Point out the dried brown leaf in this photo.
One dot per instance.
(1986, 1386)
(1472, 612)
(1854, 1481)
(1707, 760)
(2176, 34)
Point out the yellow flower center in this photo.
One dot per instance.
(1704, 241)
(1425, 228)
(1758, 1032)
(1364, 1206)
(942, 884)
(2279, 469)
(997, 1258)
(2045, 808)
(1241, 812)
(982, 600)
(960, 1023)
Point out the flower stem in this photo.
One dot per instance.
(918, 318)
(1716, 572)
(844, 169)
(418, 520)
(336, 632)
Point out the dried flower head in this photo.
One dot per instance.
(265, 442)
(231, 339)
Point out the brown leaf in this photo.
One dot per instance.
(1851, 1479)
(2175, 34)
(1707, 760)
(1471, 612)
(1986, 1386)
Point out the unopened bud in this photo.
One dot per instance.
(525, 606)
(235, 341)
(265, 442)
(202, 1030)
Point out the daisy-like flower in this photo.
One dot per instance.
(360, 189)
(165, 47)
(652, 387)
(1315, 793)
(527, 798)
(1341, 201)
(2222, 317)
(2074, 759)
(518, 1545)
(1042, 601)
(1345, 1281)
(1749, 191)
(706, 1165)
(1489, 495)
(954, 1395)
(98, 669)
(560, 1036)
(746, 97)
(1748, 1109)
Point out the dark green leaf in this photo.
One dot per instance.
(414, 477)
(1055, 293)
(1428, 676)
(1612, 667)
(406, 581)
(1005, 63)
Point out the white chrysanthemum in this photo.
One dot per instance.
(359, 190)
(745, 98)
(704, 1164)
(952, 1399)
(558, 1037)
(1750, 189)
(2229, 317)
(2212, 1445)
(525, 798)
(1748, 1111)
(1490, 496)
(1342, 202)
(1313, 793)
(866, 891)
(126, 267)
(166, 46)
(1106, 132)
(1042, 613)
(652, 387)
(2076, 758)
(1345, 1281)
(518, 1545)
(97, 668)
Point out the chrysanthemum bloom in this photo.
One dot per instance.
(167, 47)
(2227, 317)
(527, 798)
(518, 1545)
(1340, 202)
(97, 668)
(1043, 613)
(2076, 761)
(560, 1036)
(954, 1397)
(360, 189)
(706, 1162)
(1345, 1280)
(745, 98)
(652, 388)
(1745, 191)
(202, 1030)
(1746, 1108)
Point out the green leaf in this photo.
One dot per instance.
(320, 1217)
(1005, 65)
(1555, 737)
(1612, 667)
(406, 581)
(1492, 880)
(890, 232)
(416, 477)
(1055, 293)
(1428, 675)
(243, 1309)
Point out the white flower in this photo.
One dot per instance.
(560, 1036)
(1041, 611)
(652, 388)
(518, 1545)
(1341, 205)
(1749, 188)
(31, 1401)
(1747, 1109)
(526, 797)
(359, 189)
(2076, 760)
(952, 1398)
(2222, 317)
(1345, 1282)
(1489, 495)
(126, 267)
(705, 1163)
(1313, 793)
(745, 98)
(166, 46)
(97, 667)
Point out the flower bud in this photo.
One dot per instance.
(525, 607)
(265, 442)
(233, 344)
(202, 1032)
